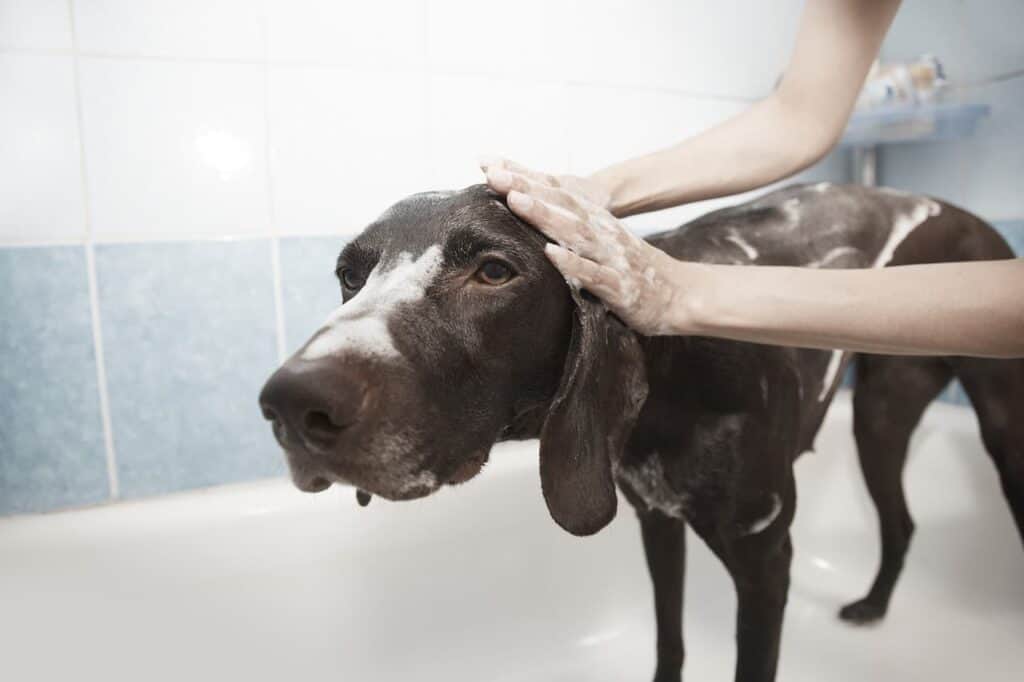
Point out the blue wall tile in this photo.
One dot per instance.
(309, 289)
(51, 434)
(189, 338)
(1013, 232)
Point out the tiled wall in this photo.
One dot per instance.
(177, 176)
(981, 47)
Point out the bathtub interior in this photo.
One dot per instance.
(258, 581)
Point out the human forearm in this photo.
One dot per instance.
(761, 145)
(780, 135)
(974, 308)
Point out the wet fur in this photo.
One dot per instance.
(727, 419)
(695, 431)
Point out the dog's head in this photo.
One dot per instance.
(455, 332)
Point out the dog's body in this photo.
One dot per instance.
(694, 431)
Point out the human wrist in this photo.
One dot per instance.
(693, 308)
(614, 181)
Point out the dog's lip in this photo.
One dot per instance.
(468, 469)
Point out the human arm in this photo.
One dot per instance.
(783, 133)
(972, 308)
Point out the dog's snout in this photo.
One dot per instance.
(313, 402)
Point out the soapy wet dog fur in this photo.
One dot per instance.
(455, 332)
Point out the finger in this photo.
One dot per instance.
(599, 280)
(496, 162)
(504, 182)
(557, 223)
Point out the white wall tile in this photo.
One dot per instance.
(171, 28)
(372, 34)
(495, 37)
(174, 149)
(40, 169)
(345, 145)
(609, 125)
(471, 115)
(729, 47)
(41, 24)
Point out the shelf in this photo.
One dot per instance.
(912, 123)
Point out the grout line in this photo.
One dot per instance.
(539, 79)
(279, 326)
(113, 481)
(101, 374)
(275, 240)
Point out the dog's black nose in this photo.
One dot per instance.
(310, 401)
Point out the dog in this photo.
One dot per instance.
(455, 332)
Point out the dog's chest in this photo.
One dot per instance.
(646, 484)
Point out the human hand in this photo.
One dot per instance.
(582, 187)
(643, 285)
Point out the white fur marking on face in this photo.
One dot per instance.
(361, 324)
(763, 523)
(739, 241)
(832, 255)
(902, 228)
(424, 479)
(830, 374)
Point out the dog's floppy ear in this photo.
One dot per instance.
(602, 389)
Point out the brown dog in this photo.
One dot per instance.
(456, 332)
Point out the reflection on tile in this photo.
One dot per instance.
(189, 338)
(38, 24)
(51, 439)
(346, 145)
(40, 174)
(309, 289)
(176, 28)
(174, 149)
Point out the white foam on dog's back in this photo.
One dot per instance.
(902, 228)
(361, 324)
(904, 224)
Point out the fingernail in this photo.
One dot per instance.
(554, 250)
(499, 176)
(520, 201)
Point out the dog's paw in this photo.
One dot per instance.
(862, 612)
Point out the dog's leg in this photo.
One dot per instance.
(761, 575)
(890, 396)
(996, 390)
(665, 549)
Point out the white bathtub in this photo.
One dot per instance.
(261, 582)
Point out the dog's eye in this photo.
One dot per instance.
(494, 272)
(350, 279)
